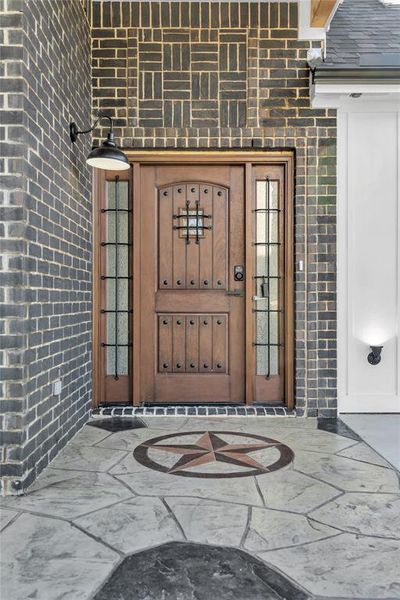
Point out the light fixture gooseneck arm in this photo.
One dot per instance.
(74, 132)
(107, 155)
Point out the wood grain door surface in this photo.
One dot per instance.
(191, 308)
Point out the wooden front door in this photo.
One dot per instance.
(192, 336)
(193, 279)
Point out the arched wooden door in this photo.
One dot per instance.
(192, 336)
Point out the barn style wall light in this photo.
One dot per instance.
(107, 156)
(374, 357)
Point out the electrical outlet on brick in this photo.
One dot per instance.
(57, 387)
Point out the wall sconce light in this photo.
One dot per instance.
(107, 156)
(374, 357)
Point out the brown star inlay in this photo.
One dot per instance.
(211, 448)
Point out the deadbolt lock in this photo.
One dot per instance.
(238, 273)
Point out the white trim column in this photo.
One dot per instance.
(368, 240)
(368, 246)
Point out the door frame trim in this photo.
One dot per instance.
(218, 156)
(247, 158)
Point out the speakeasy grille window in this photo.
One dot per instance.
(192, 223)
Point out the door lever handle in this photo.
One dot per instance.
(257, 298)
(237, 292)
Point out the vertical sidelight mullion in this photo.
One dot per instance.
(268, 206)
(116, 280)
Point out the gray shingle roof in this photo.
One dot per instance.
(364, 33)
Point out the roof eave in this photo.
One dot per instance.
(332, 93)
(337, 75)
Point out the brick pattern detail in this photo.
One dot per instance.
(45, 231)
(183, 78)
(233, 74)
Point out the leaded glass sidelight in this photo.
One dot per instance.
(116, 277)
(267, 277)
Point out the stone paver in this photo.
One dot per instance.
(69, 494)
(88, 436)
(365, 454)
(294, 491)
(271, 529)
(347, 474)
(368, 514)
(128, 440)
(6, 516)
(87, 458)
(208, 522)
(151, 483)
(186, 571)
(346, 566)
(319, 441)
(133, 525)
(48, 559)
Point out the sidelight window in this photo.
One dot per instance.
(267, 277)
(116, 277)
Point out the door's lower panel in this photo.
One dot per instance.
(192, 343)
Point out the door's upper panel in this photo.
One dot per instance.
(193, 236)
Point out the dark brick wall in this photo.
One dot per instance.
(228, 74)
(46, 234)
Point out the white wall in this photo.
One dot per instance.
(368, 255)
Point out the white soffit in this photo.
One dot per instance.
(305, 31)
(333, 95)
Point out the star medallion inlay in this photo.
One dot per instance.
(211, 448)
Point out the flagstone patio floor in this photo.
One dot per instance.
(176, 508)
